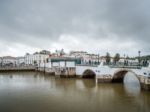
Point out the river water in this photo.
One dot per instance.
(36, 92)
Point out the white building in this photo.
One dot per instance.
(36, 59)
(78, 53)
(86, 57)
(8, 61)
(62, 62)
(20, 61)
(91, 58)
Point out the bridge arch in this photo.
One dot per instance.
(119, 75)
(88, 73)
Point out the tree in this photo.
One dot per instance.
(35, 62)
(116, 58)
(127, 57)
(107, 58)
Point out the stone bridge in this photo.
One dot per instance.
(109, 74)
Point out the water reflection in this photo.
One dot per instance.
(36, 92)
(131, 84)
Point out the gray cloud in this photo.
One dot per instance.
(105, 25)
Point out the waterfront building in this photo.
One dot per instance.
(37, 58)
(86, 57)
(62, 65)
(8, 61)
(91, 59)
(130, 61)
(78, 53)
(20, 61)
(44, 52)
(59, 61)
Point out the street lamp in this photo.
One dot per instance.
(124, 60)
(139, 52)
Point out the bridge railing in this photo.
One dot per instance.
(125, 65)
(92, 65)
(133, 67)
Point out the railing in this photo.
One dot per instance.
(92, 65)
(116, 65)
(125, 65)
(133, 67)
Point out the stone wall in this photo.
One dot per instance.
(145, 82)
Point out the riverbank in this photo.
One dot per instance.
(24, 68)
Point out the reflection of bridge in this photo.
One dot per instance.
(114, 73)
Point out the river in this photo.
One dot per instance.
(36, 92)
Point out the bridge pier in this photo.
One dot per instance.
(145, 82)
(103, 78)
(65, 72)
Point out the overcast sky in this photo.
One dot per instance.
(96, 26)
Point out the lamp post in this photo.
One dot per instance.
(124, 60)
(139, 52)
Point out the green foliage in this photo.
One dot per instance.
(147, 57)
(35, 62)
(116, 57)
(108, 57)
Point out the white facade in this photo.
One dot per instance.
(20, 61)
(78, 53)
(86, 58)
(12, 61)
(129, 60)
(8, 60)
(63, 64)
(32, 59)
(90, 59)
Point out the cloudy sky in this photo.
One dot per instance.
(96, 26)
